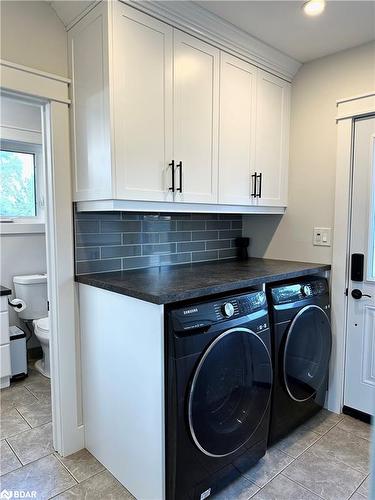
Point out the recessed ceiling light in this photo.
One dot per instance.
(314, 7)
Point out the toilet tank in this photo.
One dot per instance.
(32, 289)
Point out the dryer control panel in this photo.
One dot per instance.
(205, 314)
(293, 292)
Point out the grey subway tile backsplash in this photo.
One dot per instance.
(121, 251)
(112, 241)
(201, 256)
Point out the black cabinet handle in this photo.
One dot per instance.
(357, 294)
(254, 185)
(260, 177)
(179, 165)
(172, 167)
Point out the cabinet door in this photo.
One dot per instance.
(196, 105)
(272, 138)
(142, 105)
(237, 130)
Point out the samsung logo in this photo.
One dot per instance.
(191, 311)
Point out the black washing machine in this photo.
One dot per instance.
(218, 392)
(301, 349)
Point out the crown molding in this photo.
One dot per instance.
(197, 21)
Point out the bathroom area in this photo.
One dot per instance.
(25, 375)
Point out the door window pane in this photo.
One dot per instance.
(17, 184)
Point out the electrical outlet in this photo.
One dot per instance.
(322, 236)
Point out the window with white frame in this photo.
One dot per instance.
(21, 182)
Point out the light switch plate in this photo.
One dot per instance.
(322, 236)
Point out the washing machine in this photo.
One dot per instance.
(301, 348)
(218, 392)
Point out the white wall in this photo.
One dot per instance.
(315, 89)
(33, 35)
(21, 254)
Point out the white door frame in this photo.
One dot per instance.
(348, 110)
(52, 92)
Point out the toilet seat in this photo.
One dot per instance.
(42, 327)
(41, 330)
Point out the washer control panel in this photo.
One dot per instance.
(206, 314)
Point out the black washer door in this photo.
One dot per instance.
(230, 392)
(307, 352)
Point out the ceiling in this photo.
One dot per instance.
(280, 24)
(284, 26)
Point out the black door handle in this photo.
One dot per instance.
(179, 165)
(172, 167)
(254, 185)
(260, 185)
(357, 294)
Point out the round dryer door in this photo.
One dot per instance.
(307, 352)
(230, 392)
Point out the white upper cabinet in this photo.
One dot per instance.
(142, 105)
(91, 138)
(196, 107)
(146, 103)
(272, 140)
(238, 81)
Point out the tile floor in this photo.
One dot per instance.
(327, 458)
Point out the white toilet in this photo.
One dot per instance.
(32, 289)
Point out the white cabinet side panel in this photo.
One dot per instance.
(88, 52)
(123, 388)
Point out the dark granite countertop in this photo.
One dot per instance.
(165, 285)
(4, 290)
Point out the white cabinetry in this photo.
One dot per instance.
(146, 101)
(272, 139)
(142, 105)
(196, 106)
(238, 81)
(4, 343)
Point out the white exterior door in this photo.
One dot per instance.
(196, 107)
(272, 140)
(142, 105)
(237, 130)
(360, 350)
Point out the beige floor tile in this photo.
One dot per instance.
(323, 421)
(8, 460)
(99, 487)
(36, 414)
(33, 444)
(81, 465)
(327, 477)
(282, 488)
(32, 376)
(47, 477)
(364, 489)
(344, 447)
(240, 489)
(41, 389)
(12, 423)
(13, 396)
(273, 462)
(297, 442)
(357, 496)
(360, 429)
